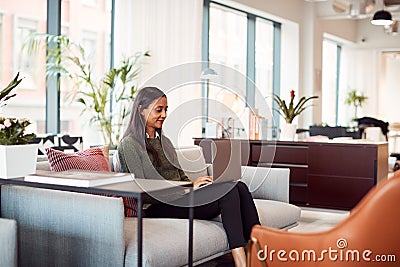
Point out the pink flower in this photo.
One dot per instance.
(7, 123)
(2, 127)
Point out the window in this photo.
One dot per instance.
(87, 22)
(23, 62)
(254, 58)
(1, 48)
(15, 26)
(226, 28)
(330, 77)
(264, 58)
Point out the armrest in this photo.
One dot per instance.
(65, 228)
(8, 242)
(267, 183)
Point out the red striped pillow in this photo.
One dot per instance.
(90, 159)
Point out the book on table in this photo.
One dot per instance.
(80, 178)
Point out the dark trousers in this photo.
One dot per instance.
(237, 210)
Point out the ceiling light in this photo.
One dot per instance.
(382, 18)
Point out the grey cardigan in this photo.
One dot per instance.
(134, 159)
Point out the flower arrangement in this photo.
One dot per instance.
(291, 111)
(12, 130)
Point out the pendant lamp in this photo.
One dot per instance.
(382, 18)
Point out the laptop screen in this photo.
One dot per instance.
(226, 160)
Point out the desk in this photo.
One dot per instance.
(141, 189)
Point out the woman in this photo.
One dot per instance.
(145, 151)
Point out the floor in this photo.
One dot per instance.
(311, 220)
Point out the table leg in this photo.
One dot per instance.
(140, 230)
(191, 215)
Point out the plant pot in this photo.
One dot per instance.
(17, 160)
(288, 132)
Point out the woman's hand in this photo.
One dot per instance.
(202, 181)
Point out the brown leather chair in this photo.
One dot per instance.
(369, 236)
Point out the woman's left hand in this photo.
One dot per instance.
(203, 180)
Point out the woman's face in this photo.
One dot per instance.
(155, 113)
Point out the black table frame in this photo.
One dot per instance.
(121, 190)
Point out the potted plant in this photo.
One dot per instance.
(17, 157)
(289, 112)
(356, 100)
(106, 99)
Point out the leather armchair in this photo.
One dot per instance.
(370, 236)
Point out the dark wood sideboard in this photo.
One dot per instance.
(322, 174)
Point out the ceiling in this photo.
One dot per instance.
(355, 9)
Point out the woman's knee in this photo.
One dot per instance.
(232, 195)
(242, 187)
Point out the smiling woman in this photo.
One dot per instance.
(148, 153)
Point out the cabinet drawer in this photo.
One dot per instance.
(298, 175)
(298, 194)
(280, 154)
(342, 160)
(337, 192)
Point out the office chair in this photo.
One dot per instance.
(365, 122)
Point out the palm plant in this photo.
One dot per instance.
(106, 99)
(355, 99)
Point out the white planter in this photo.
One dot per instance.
(17, 160)
(288, 132)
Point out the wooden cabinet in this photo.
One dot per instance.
(322, 174)
(339, 175)
(294, 157)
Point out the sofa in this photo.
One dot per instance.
(8, 243)
(59, 228)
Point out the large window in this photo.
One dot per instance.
(18, 20)
(330, 84)
(264, 58)
(246, 43)
(86, 22)
(89, 24)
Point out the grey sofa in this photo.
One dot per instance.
(8, 243)
(72, 229)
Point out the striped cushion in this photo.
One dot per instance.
(90, 159)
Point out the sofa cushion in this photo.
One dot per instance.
(163, 238)
(277, 214)
(89, 159)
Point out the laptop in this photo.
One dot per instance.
(226, 160)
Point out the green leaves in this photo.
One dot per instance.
(115, 88)
(355, 99)
(5, 94)
(12, 131)
(291, 111)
